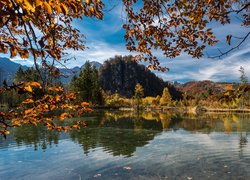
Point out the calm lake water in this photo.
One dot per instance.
(123, 145)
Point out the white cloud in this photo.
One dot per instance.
(25, 62)
(98, 51)
(225, 69)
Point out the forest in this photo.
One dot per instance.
(122, 83)
(93, 94)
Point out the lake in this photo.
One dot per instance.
(127, 145)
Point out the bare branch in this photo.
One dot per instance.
(230, 50)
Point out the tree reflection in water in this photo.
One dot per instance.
(120, 133)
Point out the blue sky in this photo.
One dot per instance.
(104, 40)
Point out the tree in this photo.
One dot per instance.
(244, 89)
(87, 84)
(43, 29)
(139, 93)
(97, 97)
(174, 27)
(165, 98)
(243, 77)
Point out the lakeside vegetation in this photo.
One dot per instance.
(127, 90)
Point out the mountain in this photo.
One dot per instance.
(121, 74)
(8, 69)
(202, 89)
(68, 74)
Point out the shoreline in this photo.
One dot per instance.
(196, 109)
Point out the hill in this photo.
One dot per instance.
(205, 88)
(121, 74)
(68, 74)
(8, 69)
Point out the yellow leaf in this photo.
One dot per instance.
(28, 6)
(34, 84)
(38, 3)
(85, 104)
(28, 111)
(63, 116)
(47, 7)
(76, 126)
(28, 88)
(28, 101)
(91, 8)
(24, 53)
(64, 9)
(54, 88)
(58, 9)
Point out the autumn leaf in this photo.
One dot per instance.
(63, 116)
(13, 52)
(28, 88)
(47, 7)
(28, 6)
(3, 48)
(28, 101)
(91, 9)
(28, 111)
(56, 88)
(85, 104)
(58, 9)
(64, 9)
(34, 84)
(24, 54)
(38, 3)
(229, 39)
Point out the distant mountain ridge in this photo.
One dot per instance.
(8, 69)
(68, 74)
(122, 75)
(201, 89)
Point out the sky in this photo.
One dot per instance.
(104, 40)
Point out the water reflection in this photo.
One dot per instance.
(127, 145)
(120, 133)
(37, 136)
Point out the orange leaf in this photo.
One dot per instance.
(63, 116)
(24, 53)
(13, 52)
(28, 101)
(28, 88)
(47, 7)
(64, 9)
(34, 84)
(28, 111)
(58, 9)
(85, 104)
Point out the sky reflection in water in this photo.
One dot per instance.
(118, 145)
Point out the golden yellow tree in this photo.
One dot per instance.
(43, 29)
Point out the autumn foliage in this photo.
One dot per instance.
(43, 31)
(48, 107)
(174, 27)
